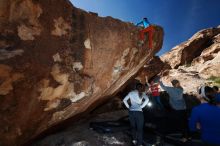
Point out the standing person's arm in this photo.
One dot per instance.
(148, 84)
(194, 120)
(125, 100)
(166, 88)
(151, 88)
(158, 89)
(148, 87)
(146, 100)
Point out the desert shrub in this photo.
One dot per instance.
(215, 80)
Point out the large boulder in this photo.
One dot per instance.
(57, 62)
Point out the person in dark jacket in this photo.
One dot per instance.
(206, 117)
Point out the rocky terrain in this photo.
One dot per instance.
(82, 135)
(59, 62)
(200, 60)
(195, 62)
(154, 67)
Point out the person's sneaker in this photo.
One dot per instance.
(158, 140)
(134, 142)
(184, 139)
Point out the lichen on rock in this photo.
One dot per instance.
(63, 90)
(7, 77)
(87, 44)
(61, 27)
(28, 33)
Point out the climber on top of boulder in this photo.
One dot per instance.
(144, 22)
(147, 28)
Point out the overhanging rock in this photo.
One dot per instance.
(57, 61)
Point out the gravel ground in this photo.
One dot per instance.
(80, 134)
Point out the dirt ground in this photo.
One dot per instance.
(80, 134)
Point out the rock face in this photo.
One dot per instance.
(58, 62)
(195, 61)
(186, 52)
(151, 69)
(208, 63)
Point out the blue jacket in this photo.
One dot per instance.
(208, 116)
(144, 23)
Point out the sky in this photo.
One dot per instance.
(180, 19)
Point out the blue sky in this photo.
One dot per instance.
(179, 18)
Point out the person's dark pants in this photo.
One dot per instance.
(137, 125)
(158, 101)
(150, 30)
(180, 121)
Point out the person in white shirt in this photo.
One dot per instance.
(138, 100)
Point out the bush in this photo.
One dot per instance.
(215, 80)
(188, 64)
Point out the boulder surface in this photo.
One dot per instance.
(187, 51)
(57, 62)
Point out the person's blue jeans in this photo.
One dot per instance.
(137, 124)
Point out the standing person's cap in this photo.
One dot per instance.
(139, 85)
(202, 93)
(207, 93)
